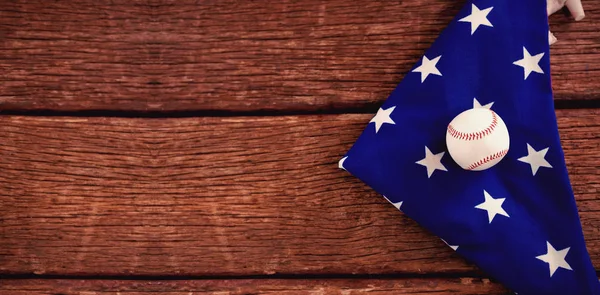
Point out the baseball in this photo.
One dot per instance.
(477, 139)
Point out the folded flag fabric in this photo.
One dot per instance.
(511, 213)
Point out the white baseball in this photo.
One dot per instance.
(477, 139)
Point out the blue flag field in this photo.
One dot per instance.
(512, 213)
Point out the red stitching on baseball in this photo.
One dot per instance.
(474, 135)
(488, 159)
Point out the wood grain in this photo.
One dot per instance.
(221, 196)
(72, 55)
(463, 286)
(165, 55)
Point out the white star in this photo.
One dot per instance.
(477, 18)
(492, 206)
(382, 117)
(477, 105)
(535, 159)
(432, 162)
(451, 246)
(555, 259)
(427, 68)
(341, 163)
(530, 63)
(397, 205)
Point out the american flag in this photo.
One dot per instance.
(517, 221)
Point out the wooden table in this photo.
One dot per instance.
(191, 147)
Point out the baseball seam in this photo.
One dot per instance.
(474, 135)
(487, 159)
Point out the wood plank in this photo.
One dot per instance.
(240, 55)
(221, 196)
(74, 55)
(464, 286)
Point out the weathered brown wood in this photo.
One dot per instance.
(240, 55)
(463, 286)
(82, 54)
(221, 196)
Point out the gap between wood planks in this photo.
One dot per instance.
(370, 109)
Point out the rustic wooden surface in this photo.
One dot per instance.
(165, 55)
(96, 200)
(463, 286)
(222, 196)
